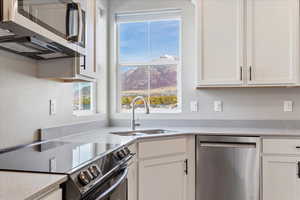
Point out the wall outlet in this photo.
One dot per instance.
(52, 110)
(52, 164)
(194, 106)
(288, 106)
(218, 106)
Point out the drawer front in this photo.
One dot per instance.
(55, 195)
(281, 146)
(162, 147)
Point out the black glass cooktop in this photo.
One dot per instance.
(58, 156)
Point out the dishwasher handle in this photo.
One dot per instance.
(227, 144)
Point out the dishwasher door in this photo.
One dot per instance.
(227, 168)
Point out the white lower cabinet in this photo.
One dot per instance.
(55, 195)
(280, 170)
(165, 169)
(280, 178)
(162, 179)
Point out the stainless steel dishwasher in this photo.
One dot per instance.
(227, 168)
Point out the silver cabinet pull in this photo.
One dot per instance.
(298, 169)
(227, 145)
(241, 73)
(250, 73)
(186, 170)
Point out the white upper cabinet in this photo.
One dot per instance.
(272, 41)
(220, 25)
(247, 42)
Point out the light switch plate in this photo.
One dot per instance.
(218, 106)
(52, 110)
(194, 106)
(288, 106)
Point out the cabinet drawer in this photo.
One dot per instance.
(281, 146)
(55, 195)
(162, 147)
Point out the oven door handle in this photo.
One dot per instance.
(114, 186)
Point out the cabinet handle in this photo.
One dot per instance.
(186, 170)
(250, 73)
(298, 169)
(241, 73)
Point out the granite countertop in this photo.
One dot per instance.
(176, 131)
(28, 186)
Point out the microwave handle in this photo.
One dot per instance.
(72, 37)
(80, 21)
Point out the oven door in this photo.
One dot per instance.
(57, 20)
(115, 188)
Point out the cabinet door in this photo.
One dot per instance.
(132, 181)
(272, 41)
(220, 52)
(132, 175)
(162, 179)
(55, 195)
(280, 178)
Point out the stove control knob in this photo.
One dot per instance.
(127, 150)
(84, 178)
(120, 155)
(95, 171)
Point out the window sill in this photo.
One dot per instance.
(151, 112)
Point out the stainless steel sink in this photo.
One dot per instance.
(142, 132)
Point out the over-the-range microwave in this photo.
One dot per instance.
(43, 29)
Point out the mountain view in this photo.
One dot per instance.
(160, 82)
(138, 78)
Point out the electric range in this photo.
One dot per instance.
(97, 168)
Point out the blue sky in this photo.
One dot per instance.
(145, 41)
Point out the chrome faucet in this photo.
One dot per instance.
(133, 104)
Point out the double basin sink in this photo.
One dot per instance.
(143, 132)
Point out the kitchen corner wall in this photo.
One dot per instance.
(24, 98)
(238, 103)
(24, 104)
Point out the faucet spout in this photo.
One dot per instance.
(133, 104)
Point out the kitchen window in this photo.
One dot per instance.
(149, 60)
(83, 100)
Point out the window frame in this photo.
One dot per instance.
(93, 94)
(175, 14)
